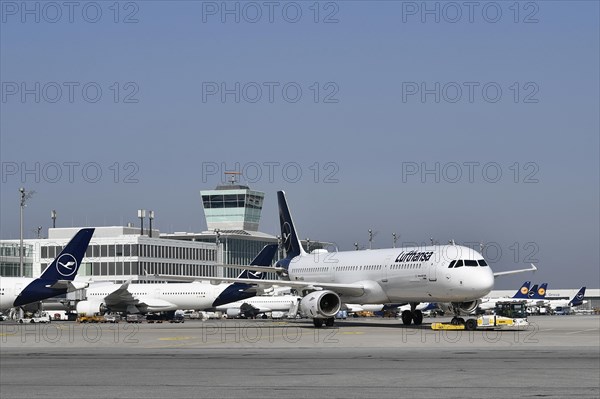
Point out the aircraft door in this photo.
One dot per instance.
(432, 271)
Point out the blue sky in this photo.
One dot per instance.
(356, 121)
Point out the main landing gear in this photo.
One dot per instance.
(412, 316)
(318, 323)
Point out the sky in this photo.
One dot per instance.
(477, 123)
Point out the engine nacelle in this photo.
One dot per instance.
(233, 313)
(320, 304)
(89, 308)
(464, 308)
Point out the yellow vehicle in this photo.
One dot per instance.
(507, 314)
(91, 319)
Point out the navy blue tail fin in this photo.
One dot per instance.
(540, 293)
(289, 237)
(578, 298)
(532, 291)
(240, 291)
(264, 258)
(66, 264)
(523, 291)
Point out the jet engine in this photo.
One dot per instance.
(89, 308)
(320, 304)
(464, 308)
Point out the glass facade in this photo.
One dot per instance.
(232, 209)
(10, 262)
(125, 259)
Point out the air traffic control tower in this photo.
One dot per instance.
(232, 207)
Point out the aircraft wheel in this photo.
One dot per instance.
(329, 322)
(417, 317)
(471, 325)
(406, 317)
(318, 323)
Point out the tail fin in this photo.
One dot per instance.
(66, 264)
(264, 258)
(240, 291)
(63, 268)
(289, 237)
(523, 291)
(532, 292)
(578, 298)
(540, 293)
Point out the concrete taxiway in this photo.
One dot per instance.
(556, 357)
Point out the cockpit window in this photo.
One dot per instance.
(471, 263)
(482, 262)
(459, 263)
(451, 264)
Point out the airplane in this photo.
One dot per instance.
(439, 273)
(163, 297)
(56, 280)
(262, 304)
(565, 305)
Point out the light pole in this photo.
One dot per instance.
(24, 195)
(141, 215)
(53, 216)
(150, 217)
(395, 239)
(308, 245)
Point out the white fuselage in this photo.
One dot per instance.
(267, 303)
(165, 297)
(397, 275)
(10, 288)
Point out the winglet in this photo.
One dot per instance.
(533, 268)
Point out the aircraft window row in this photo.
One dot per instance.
(372, 267)
(312, 269)
(406, 266)
(466, 262)
(346, 268)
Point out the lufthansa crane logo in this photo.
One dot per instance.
(541, 291)
(255, 275)
(580, 296)
(287, 236)
(66, 264)
(524, 290)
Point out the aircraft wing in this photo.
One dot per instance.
(68, 285)
(531, 269)
(123, 298)
(354, 289)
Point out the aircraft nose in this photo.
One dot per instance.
(486, 280)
